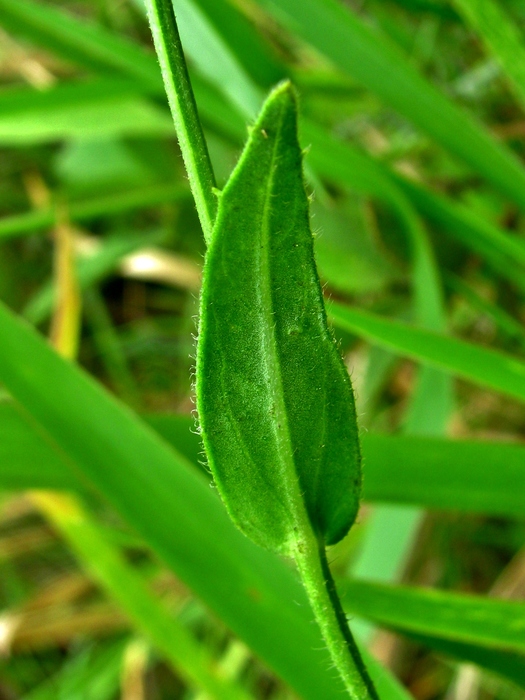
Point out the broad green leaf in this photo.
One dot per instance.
(502, 37)
(378, 64)
(464, 475)
(172, 507)
(274, 398)
(483, 622)
(489, 368)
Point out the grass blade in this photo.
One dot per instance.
(82, 42)
(492, 624)
(502, 38)
(489, 368)
(123, 584)
(474, 476)
(171, 505)
(466, 475)
(375, 62)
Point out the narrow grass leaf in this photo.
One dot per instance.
(171, 505)
(501, 36)
(252, 52)
(478, 476)
(88, 118)
(488, 623)
(508, 665)
(98, 669)
(107, 566)
(92, 208)
(377, 63)
(488, 368)
(83, 42)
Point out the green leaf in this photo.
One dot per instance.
(243, 40)
(214, 57)
(501, 36)
(85, 115)
(489, 368)
(108, 567)
(507, 665)
(475, 476)
(29, 460)
(93, 208)
(171, 505)
(467, 475)
(274, 398)
(82, 42)
(489, 623)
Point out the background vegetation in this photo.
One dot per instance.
(121, 576)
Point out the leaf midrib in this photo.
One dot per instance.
(283, 437)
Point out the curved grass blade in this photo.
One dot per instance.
(377, 63)
(489, 368)
(502, 37)
(80, 41)
(105, 564)
(475, 476)
(275, 402)
(484, 622)
(507, 665)
(171, 505)
(30, 222)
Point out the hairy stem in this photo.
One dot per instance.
(184, 110)
(320, 588)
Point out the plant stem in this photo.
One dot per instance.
(184, 110)
(320, 588)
